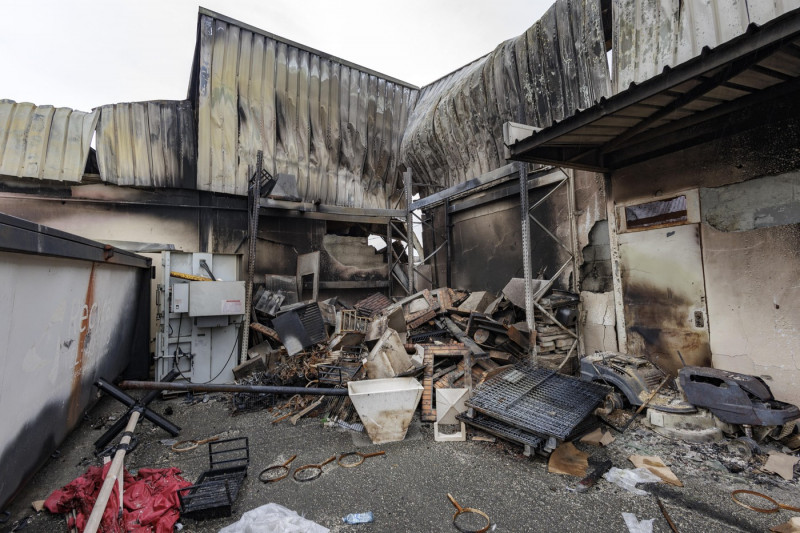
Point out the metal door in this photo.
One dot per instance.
(663, 294)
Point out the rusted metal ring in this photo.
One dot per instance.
(775, 509)
(464, 510)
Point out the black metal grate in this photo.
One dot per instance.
(428, 336)
(504, 431)
(554, 407)
(311, 317)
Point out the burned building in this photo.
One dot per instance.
(660, 188)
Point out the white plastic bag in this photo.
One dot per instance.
(637, 526)
(273, 518)
(627, 479)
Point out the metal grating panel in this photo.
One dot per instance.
(504, 431)
(371, 305)
(554, 408)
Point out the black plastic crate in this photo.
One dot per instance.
(216, 489)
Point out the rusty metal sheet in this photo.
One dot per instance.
(649, 35)
(557, 66)
(147, 144)
(664, 296)
(44, 142)
(333, 125)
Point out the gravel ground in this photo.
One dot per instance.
(407, 488)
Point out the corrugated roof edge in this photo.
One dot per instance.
(204, 11)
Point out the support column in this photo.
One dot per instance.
(527, 267)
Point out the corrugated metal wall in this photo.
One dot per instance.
(335, 127)
(44, 142)
(652, 34)
(147, 144)
(556, 67)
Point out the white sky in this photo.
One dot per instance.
(86, 53)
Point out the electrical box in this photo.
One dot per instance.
(200, 322)
(180, 298)
(213, 298)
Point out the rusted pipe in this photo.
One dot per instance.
(213, 387)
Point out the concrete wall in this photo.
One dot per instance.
(750, 233)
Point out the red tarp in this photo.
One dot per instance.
(150, 500)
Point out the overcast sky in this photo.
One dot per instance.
(86, 53)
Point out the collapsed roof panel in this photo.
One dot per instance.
(44, 142)
(557, 66)
(649, 36)
(147, 144)
(333, 125)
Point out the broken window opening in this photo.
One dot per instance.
(670, 212)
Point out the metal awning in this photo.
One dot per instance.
(723, 91)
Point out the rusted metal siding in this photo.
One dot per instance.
(652, 34)
(335, 126)
(542, 76)
(147, 144)
(44, 142)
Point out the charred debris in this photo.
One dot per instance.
(467, 363)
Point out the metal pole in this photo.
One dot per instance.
(255, 198)
(409, 231)
(210, 387)
(389, 258)
(448, 236)
(527, 268)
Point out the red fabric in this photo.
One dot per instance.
(150, 500)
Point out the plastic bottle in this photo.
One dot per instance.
(358, 518)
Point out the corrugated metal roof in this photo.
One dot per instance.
(334, 125)
(732, 88)
(557, 66)
(44, 142)
(147, 144)
(652, 34)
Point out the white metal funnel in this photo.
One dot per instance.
(385, 406)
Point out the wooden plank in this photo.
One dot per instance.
(427, 412)
(204, 124)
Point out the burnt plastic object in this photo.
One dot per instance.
(735, 398)
(635, 377)
(217, 488)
